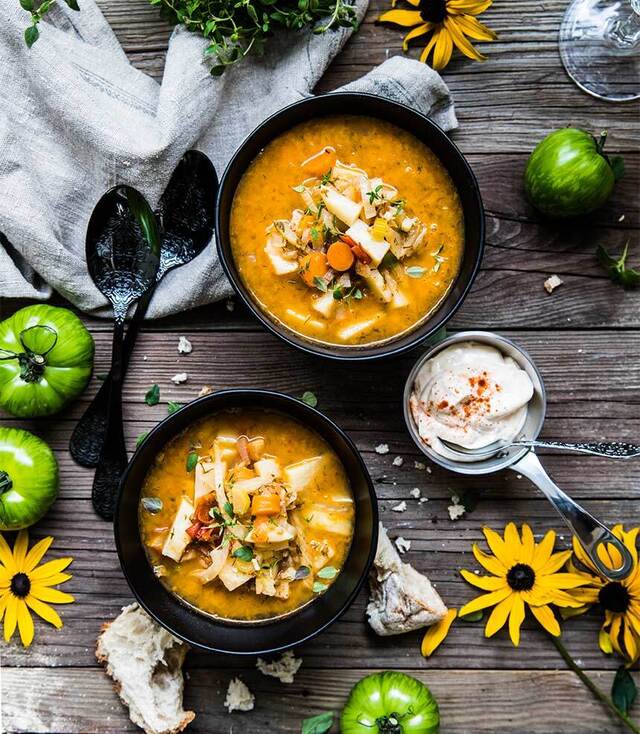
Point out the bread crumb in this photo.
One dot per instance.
(621, 218)
(415, 492)
(239, 697)
(402, 545)
(428, 470)
(456, 510)
(419, 465)
(179, 378)
(400, 507)
(423, 500)
(184, 345)
(552, 283)
(230, 305)
(205, 390)
(283, 669)
(382, 448)
(398, 461)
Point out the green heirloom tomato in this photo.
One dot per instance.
(28, 478)
(569, 175)
(390, 703)
(46, 358)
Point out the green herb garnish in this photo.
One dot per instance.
(309, 398)
(320, 284)
(244, 553)
(328, 572)
(228, 508)
(319, 587)
(326, 179)
(152, 396)
(172, 407)
(617, 269)
(319, 724)
(141, 438)
(192, 460)
(375, 194)
(415, 271)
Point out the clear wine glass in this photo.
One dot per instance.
(600, 47)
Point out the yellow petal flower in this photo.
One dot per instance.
(562, 581)
(498, 547)
(58, 578)
(25, 623)
(6, 557)
(555, 562)
(436, 633)
(604, 641)
(498, 616)
(473, 7)
(490, 563)
(49, 569)
(405, 18)
(442, 50)
(10, 617)
(544, 549)
(475, 29)
(516, 618)
(45, 611)
(427, 49)
(34, 556)
(416, 33)
(528, 541)
(484, 601)
(486, 583)
(20, 549)
(547, 619)
(53, 596)
(466, 47)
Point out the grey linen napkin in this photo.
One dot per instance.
(76, 119)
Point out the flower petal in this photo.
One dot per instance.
(405, 18)
(498, 616)
(516, 618)
(49, 569)
(427, 49)
(58, 578)
(562, 581)
(3, 603)
(563, 599)
(547, 619)
(20, 549)
(486, 583)
(34, 556)
(585, 596)
(415, 33)
(614, 633)
(556, 562)
(53, 596)
(528, 544)
(474, 29)
(443, 49)
(25, 623)
(485, 600)
(490, 563)
(499, 548)
(44, 611)
(6, 557)
(473, 7)
(581, 555)
(630, 644)
(10, 616)
(604, 641)
(543, 550)
(436, 633)
(471, 52)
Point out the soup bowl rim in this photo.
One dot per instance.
(160, 435)
(392, 346)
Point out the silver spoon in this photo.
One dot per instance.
(610, 449)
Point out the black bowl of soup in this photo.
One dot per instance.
(246, 522)
(351, 226)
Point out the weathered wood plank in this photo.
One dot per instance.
(90, 703)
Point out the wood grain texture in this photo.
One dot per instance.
(585, 338)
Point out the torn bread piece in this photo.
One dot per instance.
(401, 599)
(239, 697)
(145, 662)
(283, 669)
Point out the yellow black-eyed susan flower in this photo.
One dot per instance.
(620, 600)
(25, 587)
(524, 574)
(450, 23)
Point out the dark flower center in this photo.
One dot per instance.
(521, 577)
(614, 597)
(434, 11)
(20, 585)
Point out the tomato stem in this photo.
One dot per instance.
(602, 141)
(5, 482)
(389, 724)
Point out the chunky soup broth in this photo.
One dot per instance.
(247, 515)
(348, 230)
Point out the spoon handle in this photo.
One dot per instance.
(113, 455)
(88, 436)
(610, 449)
(590, 532)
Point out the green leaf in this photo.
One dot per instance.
(472, 617)
(302, 572)
(141, 438)
(328, 572)
(320, 284)
(31, 35)
(27, 5)
(319, 724)
(172, 407)
(72, 4)
(153, 505)
(617, 166)
(228, 508)
(309, 398)
(617, 269)
(623, 690)
(192, 460)
(244, 553)
(152, 396)
(319, 587)
(415, 271)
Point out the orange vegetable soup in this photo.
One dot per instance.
(247, 515)
(348, 230)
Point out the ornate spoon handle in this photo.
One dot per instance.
(611, 449)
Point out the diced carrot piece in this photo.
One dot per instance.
(193, 530)
(313, 265)
(339, 256)
(320, 163)
(265, 504)
(204, 506)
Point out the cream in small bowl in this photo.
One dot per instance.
(469, 394)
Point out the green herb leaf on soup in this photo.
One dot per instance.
(309, 398)
(415, 271)
(152, 396)
(320, 284)
(228, 508)
(319, 587)
(244, 553)
(328, 572)
(192, 460)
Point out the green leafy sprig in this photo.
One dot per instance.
(617, 269)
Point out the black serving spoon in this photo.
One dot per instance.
(185, 215)
(122, 248)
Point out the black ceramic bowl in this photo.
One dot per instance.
(352, 103)
(200, 629)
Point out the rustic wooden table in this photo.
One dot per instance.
(585, 338)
